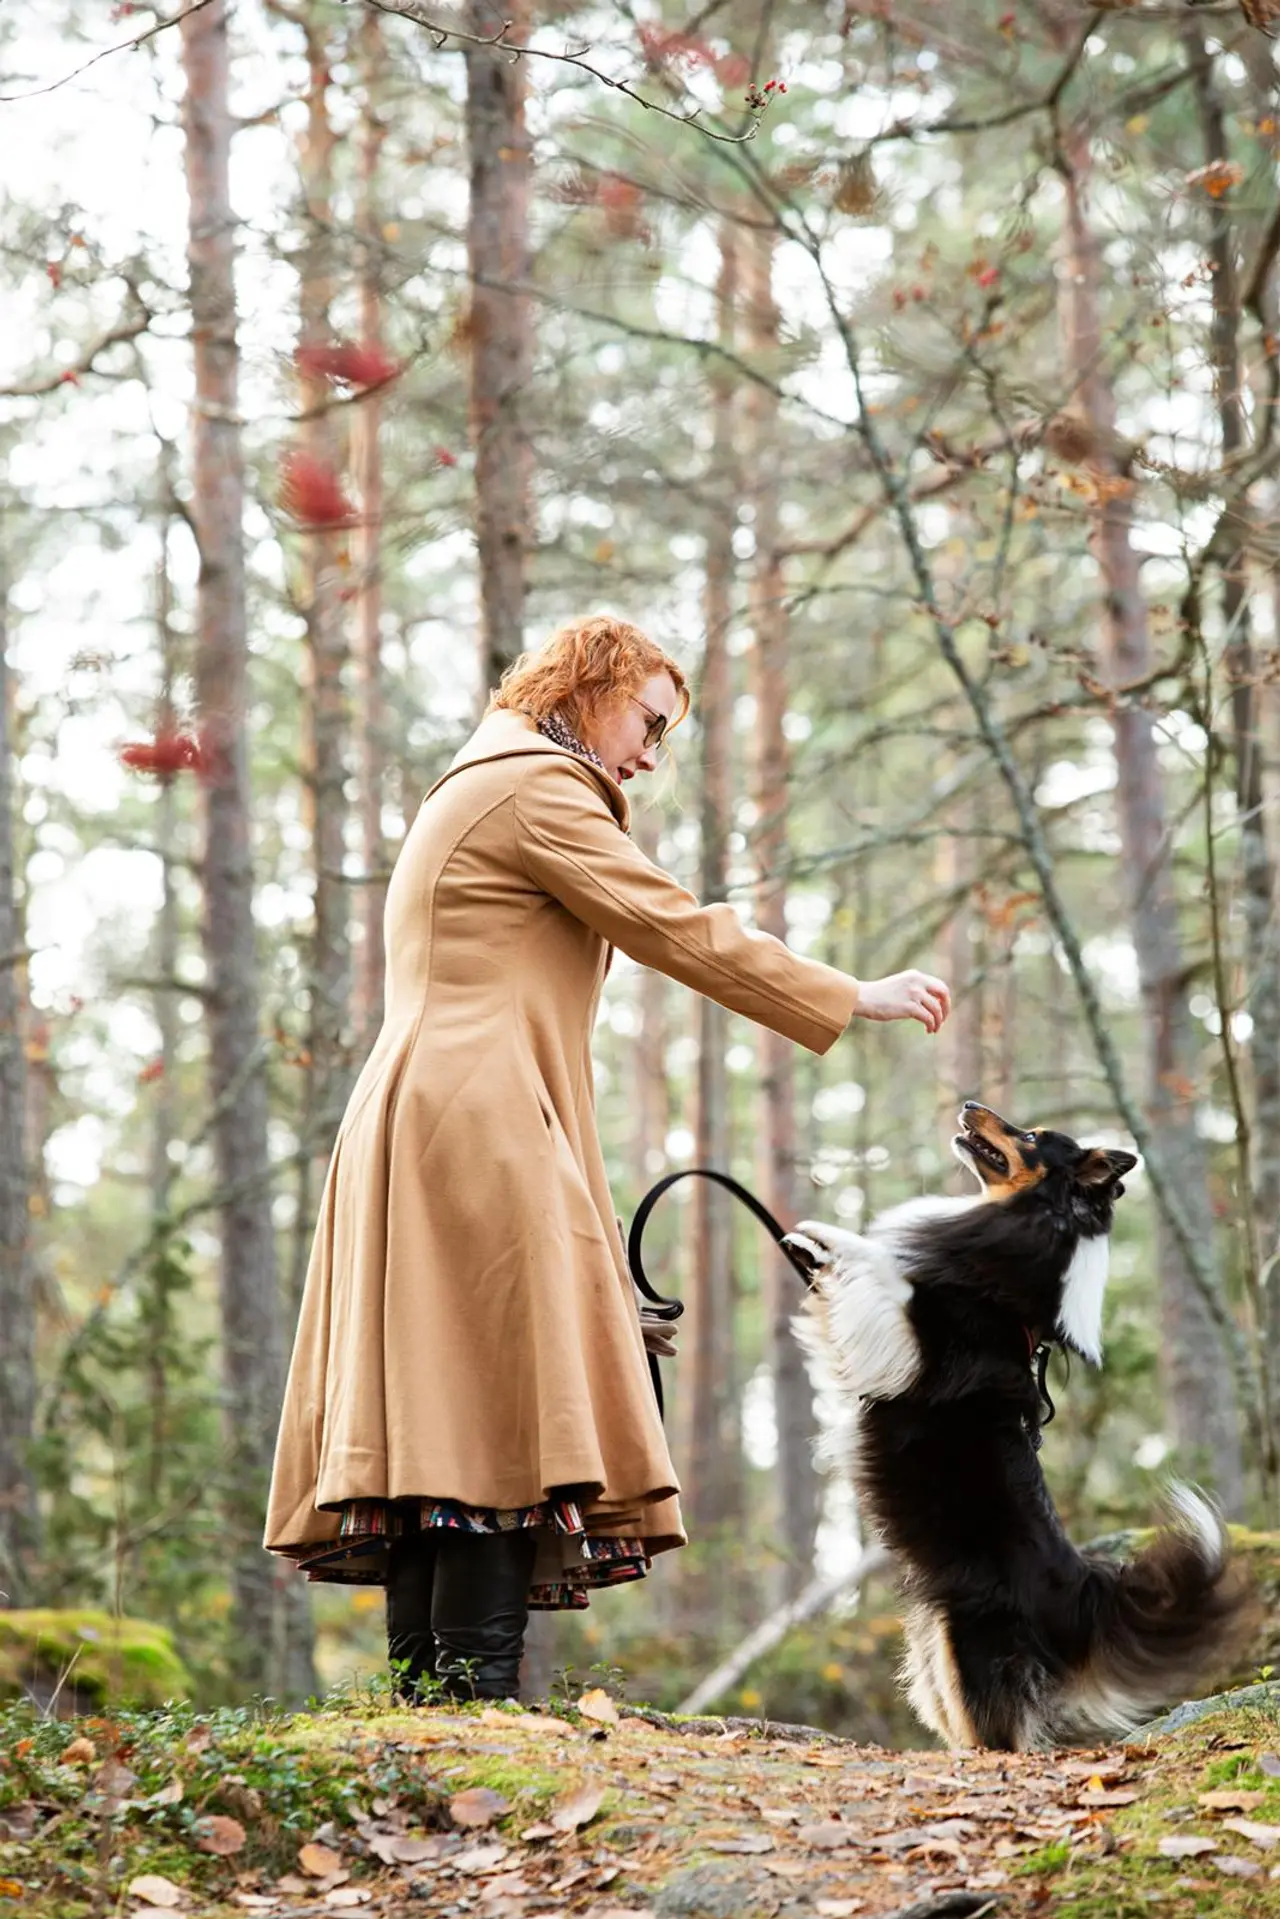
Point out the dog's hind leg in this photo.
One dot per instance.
(934, 1684)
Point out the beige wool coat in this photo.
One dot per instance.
(468, 1328)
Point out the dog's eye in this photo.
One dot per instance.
(1028, 1139)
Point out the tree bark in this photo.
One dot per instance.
(797, 1483)
(1199, 1381)
(501, 330)
(710, 1440)
(1258, 879)
(19, 1513)
(268, 1630)
(367, 461)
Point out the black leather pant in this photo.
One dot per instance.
(457, 1609)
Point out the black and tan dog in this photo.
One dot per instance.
(926, 1326)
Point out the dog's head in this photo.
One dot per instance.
(1010, 1160)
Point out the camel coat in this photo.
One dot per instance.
(468, 1328)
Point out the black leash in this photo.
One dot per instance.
(671, 1309)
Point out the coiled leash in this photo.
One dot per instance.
(671, 1309)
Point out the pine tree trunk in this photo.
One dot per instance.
(1199, 1379)
(19, 1514)
(501, 331)
(269, 1631)
(1258, 877)
(710, 1444)
(798, 1491)
(329, 985)
(367, 461)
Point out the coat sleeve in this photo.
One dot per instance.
(571, 847)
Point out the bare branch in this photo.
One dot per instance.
(442, 34)
(121, 46)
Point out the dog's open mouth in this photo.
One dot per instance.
(981, 1149)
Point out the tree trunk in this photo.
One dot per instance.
(1199, 1380)
(501, 330)
(710, 1442)
(268, 1629)
(367, 461)
(1262, 960)
(798, 1490)
(329, 1066)
(19, 1514)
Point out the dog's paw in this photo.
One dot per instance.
(813, 1244)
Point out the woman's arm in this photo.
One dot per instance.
(572, 847)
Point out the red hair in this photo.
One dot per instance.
(584, 669)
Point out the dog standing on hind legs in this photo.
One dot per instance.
(926, 1325)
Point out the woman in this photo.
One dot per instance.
(469, 1418)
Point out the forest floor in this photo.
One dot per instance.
(503, 1813)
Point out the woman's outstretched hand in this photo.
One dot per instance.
(909, 995)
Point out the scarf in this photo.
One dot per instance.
(560, 734)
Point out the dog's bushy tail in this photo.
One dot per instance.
(1167, 1622)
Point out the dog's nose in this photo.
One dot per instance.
(970, 1106)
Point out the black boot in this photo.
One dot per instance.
(411, 1646)
(479, 1611)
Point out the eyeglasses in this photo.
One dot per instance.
(655, 732)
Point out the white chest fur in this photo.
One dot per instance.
(1080, 1316)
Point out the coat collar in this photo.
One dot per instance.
(503, 735)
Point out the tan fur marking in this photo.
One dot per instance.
(933, 1678)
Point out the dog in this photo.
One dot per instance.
(927, 1326)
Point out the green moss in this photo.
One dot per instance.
(104, 1659)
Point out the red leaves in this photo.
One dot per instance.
(758, 98)
(311, 491)
(350, 362)
(444, 457)
(171, 751)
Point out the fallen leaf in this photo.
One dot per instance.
(479, 1859)
(154, 1890)
(348, 1896)
(1178, 1845)
(79, 1752)
(291, 1883)
(199, 1739)
(381, 1807)
(597, 1705)
(1269, 1762)
(505, 1885)
(826, 1837)
(477, 1806)
(255, 1901)
(540, 1831)
(319, 1861)
(150, 1912)
(167, 1795)
(746, 1842)
(218, 1834)
(1227, 1801)
(1123, 1797)
(781, 1815)
(823, 1759)
(787, 1868)
(412, 1852)
(113, 1780)
(838, 1908)
(1264, 1836)
(578, 1810)
(1237, 1868)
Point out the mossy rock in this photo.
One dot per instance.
(76, 1659)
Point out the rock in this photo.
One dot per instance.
(713, 1892)
(82, 1659)
(1266, 1694)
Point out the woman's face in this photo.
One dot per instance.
(628, 734)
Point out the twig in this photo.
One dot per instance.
(121, 46)
(498, 41)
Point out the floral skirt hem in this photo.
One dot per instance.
(366, 1528)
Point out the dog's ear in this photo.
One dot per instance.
(1102, 1167)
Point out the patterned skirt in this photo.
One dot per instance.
(582, 1560)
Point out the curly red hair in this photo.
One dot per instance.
(587, 667)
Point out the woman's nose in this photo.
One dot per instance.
(648, 759)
